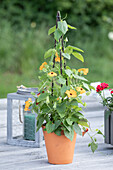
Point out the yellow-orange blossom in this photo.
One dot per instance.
(27, 104)
(57, 59)
(42, 66)
(81, 90)
(85, 70)
(52, 74)
(71, 93)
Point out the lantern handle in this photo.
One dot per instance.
(20, 116)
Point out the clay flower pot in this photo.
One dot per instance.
(60, 149)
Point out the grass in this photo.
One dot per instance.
(8, 82)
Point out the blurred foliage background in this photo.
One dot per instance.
(24, 40)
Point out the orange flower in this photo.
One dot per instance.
(83, 133)
(71, 93)
(57, 59)
(56, 54)
(26, 109)
(42, 66)
(27, 104)
(85, 70)
(81, 90)
(52, 74)
(58, 98)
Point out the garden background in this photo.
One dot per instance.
(24, 38)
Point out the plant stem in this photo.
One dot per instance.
(43, 85)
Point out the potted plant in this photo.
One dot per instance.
(108, 116)
(60, 93)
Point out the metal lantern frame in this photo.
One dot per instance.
(17, 141)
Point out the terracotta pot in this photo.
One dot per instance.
(60, 149)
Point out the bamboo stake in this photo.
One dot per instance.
(58, 18)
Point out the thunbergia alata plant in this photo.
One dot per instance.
(61, 88)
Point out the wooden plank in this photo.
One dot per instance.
(15, 157)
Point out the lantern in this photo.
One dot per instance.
(22, 132)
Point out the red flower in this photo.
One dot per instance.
(83, 133)
(86, 129)
(101, 87)
(42, 91)
(37, 103)
(38, 94)
(111, 92)
(104, 85)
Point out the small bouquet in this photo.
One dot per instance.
(106, 101)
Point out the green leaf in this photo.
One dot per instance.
(94, 146)
(42, 97)
(86, 86)
(66, 55)
(79, 77)
(77, 129)
(57, 34)
(58, 132)
(61, 109)
(47, 118)
(74, 102)
(88, 93)
(69, 121)
(89, 144)
(64, 89)
(83, 123)
(68, 50)
(54, 105)
(50, 127)
(33, 93)
(80, 115)
(78, 56)
(40, 120)
(69, 135)
(51, 30)
(61, 80)
(74, 118)
(84, 104)
(44, 108)
(49, 53)
(57, 123)
(91, 87)
(68, 72)
(70, 47)
(71, 27)
(68, 127)
(100, 133)
(62, 25)
(66, 39)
